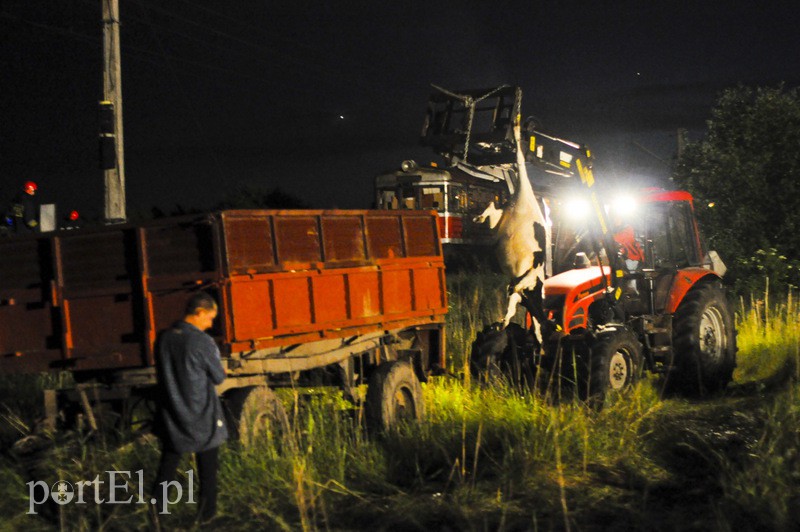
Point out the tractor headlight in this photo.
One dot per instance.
(577, 209)
(625, 206)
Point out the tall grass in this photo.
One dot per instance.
(475, 300)
(762, 484)
(769, 337)
(486, 457)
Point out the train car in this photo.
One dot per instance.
(457, 194)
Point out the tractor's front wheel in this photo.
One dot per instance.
(614, 364)
(704, 341)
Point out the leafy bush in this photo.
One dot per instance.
(745, 177)
(782, 272)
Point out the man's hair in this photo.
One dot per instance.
(200, 300)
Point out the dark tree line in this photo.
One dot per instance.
(242, 197)
(745, 176)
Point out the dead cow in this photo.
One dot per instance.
(521, 239)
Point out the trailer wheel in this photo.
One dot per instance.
(394, 395)
(704, 342)
(141, 414)
(254, 411)
(614, 364)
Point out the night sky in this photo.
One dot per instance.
(319, 97)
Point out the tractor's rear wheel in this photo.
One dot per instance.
(614, 364)
(704, 341)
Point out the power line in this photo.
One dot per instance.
(317, 66)
(54, 29)
(267, 55)
(150, 24)
(215, 31)
(187, 66)
(134, 50)
(168, 61)
(294, 42)
(187, 100)
(129, 50)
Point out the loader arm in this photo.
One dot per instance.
(573, 161)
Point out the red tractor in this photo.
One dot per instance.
(633, 289)
(651, 298)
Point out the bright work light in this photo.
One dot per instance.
(577, 209)
(624, 206)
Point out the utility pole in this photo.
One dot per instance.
(111, 145)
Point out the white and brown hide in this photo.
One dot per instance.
(520, 233)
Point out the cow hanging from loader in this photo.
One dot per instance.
(520, 233)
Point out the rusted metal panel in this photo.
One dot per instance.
(25, 264)
(29, 326)
(364, 294)
(428, 293)
(253, 298)
(293, 305)
(418, 236)
(270, 306)
(249, 242)
(180, 248)
(396, 291)
(343, 238)
(101, 295)
(99, 261)
(297, 239)
(329, 293)
(384, 237)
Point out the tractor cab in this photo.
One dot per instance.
(636, 290)
(645, 262)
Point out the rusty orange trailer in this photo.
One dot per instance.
(351, 296)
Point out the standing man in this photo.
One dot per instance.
(191, 415)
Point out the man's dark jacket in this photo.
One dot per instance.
(189, 366)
